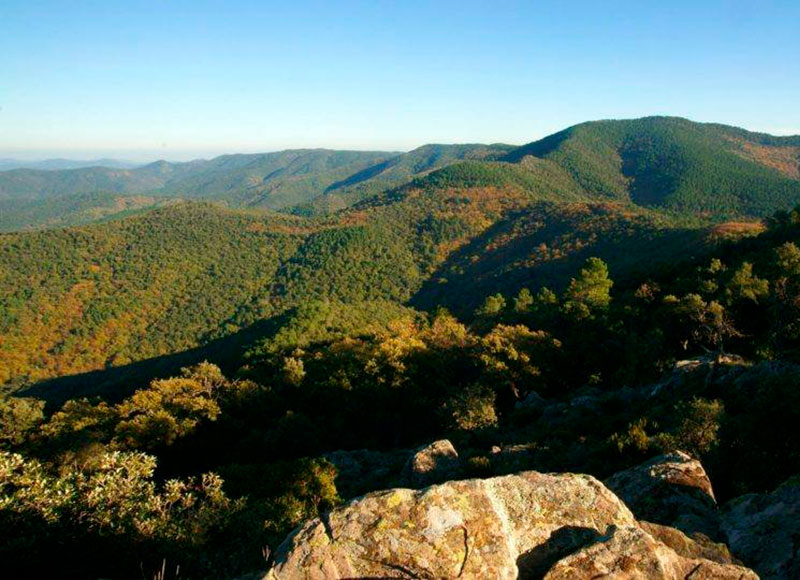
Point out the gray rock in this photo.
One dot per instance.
(763, 530)
(672, 490)
(432, 463)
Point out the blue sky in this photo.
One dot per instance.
(178, 79)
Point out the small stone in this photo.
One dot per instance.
(431, 464)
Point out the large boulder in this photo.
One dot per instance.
(500, 527)
(432, 463)
(672, 490)
(763, 530)
(632, 553)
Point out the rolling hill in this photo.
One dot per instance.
(68, 210)
(439, 226)
(501, 298)
(675, 164)
(656, 162)
(271, 180)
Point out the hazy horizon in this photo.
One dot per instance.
(144, 157)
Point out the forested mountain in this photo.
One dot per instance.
(439, 226)
(101, 488)
(674, 163)
(663, 162)
(239, 178)
(66, 210)
(315, 180)
(86, 298)
(105, 295)
(396, 171)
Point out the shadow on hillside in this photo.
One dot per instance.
(116, 383)
(361, 176)
(483, 265)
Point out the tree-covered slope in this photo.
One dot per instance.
(662, 162)
(317, 180)
(272, 180)
(542, 246)
(180, 277)
(68, 210)
(42, 184)
(677, 164)
(313, 180)
(183, 276)
(86, 298)
(396, 171)
(269, 180)
(109, 294)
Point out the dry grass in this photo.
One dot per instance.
(786, 160)
(735, 230)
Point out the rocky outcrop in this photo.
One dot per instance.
(492, 528)
(517, 526)
(432, 463)
(763, 530)
(630, 552)
(672, 490)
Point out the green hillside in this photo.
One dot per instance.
(86, 298)
(453, 232)
(40, 184)
(312, 180)
(269, 179)
(397, 171)
(68, 210)
(677, 164)
(189, 275)
(542, 245)
(663, 162)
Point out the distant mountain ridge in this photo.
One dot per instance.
(659, 162)
(57, 164)
(270, 180)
